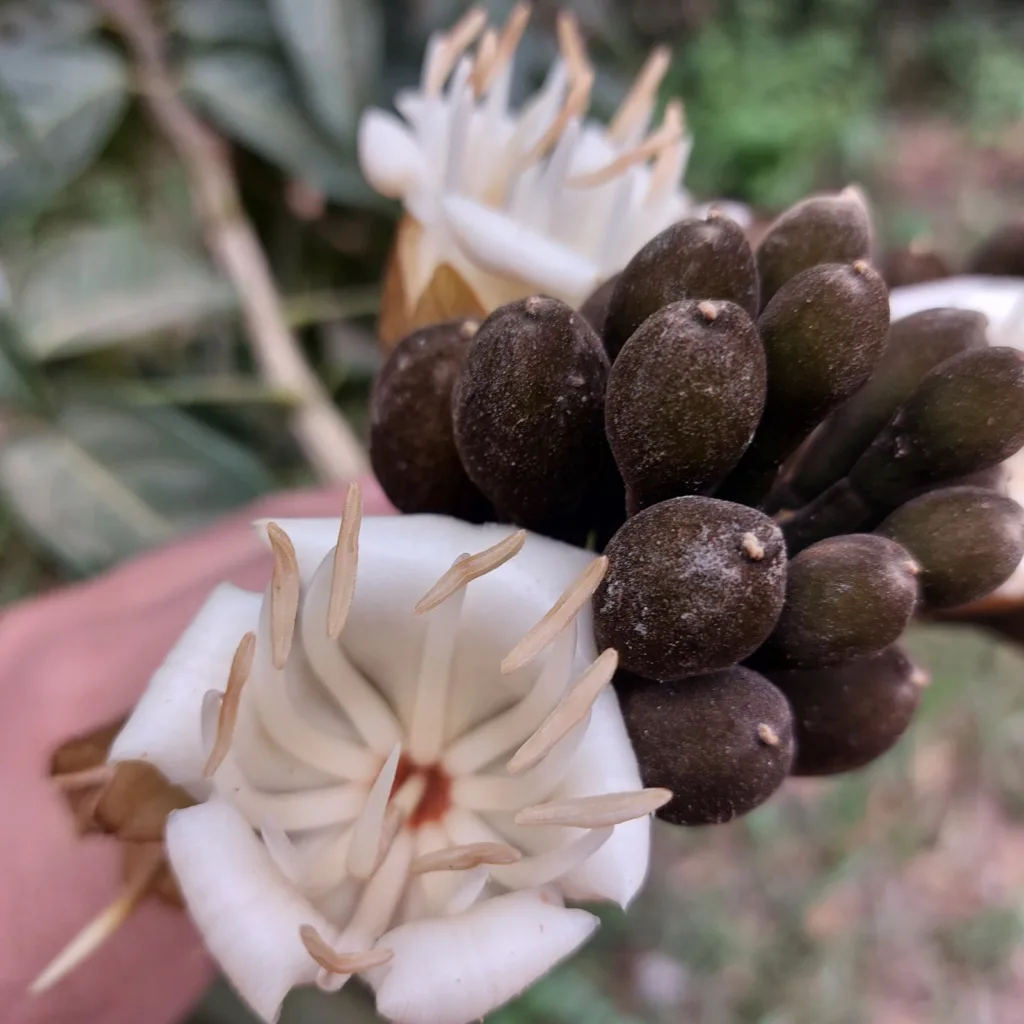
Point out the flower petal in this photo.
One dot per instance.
(605, 763)
(400, 558)
(388, 155)
(165, 728)
(457, 969)
(504, 246)
(247, 913)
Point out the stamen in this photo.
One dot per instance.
(509, 792)
(564, 610)
(463, 858)
(377, 904)
(667, 135)
(459, 38)
(636, 106)
(575, 706)
(493, 737)
(340, 963)
(98, 775)
(241, 666)
(668, 166)
(284, 594)
(299, 811)
(581, 78)
(595, 811)
(426, 725)
(346, 560)
(291, 731)
(507, 44)
(485, 54)
(364, 849)
(471, 567)
(103, 926)
(358, 699)
(546, 867)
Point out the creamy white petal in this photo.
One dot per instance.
(455, 970)
(996, 297)
(389, 157)
(502, 245)
(605, 763)
(165, 727)
(247, 913)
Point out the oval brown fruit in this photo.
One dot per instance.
(723, 743)
(694, 585)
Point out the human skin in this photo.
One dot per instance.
(71, 661)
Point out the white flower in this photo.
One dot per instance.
(501, 204)
(403, 772)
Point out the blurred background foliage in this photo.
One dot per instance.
(131, 407)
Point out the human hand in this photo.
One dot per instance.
(71, 661)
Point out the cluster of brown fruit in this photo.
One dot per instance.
(779, 478)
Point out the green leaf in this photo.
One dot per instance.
(103, 483)
(96, 287)
(335, 47)
(55, 21)
(58, 107)
(224, 21)
(249, 96)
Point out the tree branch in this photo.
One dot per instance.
(322, 432)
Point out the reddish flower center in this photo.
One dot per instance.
(436, 797)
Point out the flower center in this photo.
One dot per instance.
(436, 800)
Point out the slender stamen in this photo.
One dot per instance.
(340, 963)
(668, 166)
(241, 666)
(361, 702)
(492, 738)
(636, 106)
(364, 849)
(301, 810)
(656, 143)
(376, 907)
(575, 706)
(485, 55)
(546, 867)
(471, 567)
(291, 731)
(563, 612)
(98, 775)
(509, 792)
(103, 926)
(581, 79)
(284, 594)
(463, 858)
(506, 47)
(459, 38)
(346, 561)
(596, 811)
(430, 700)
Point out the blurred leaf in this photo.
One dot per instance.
(58, 107)
(223, 21)
(95, 287)
(335, 46)
(20, 381)
(248, 94)
(103, 483)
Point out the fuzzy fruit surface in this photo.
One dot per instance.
(723, 743)
(848, 715)
(684, 399)
(694, 585)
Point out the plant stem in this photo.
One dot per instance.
(324, 435)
